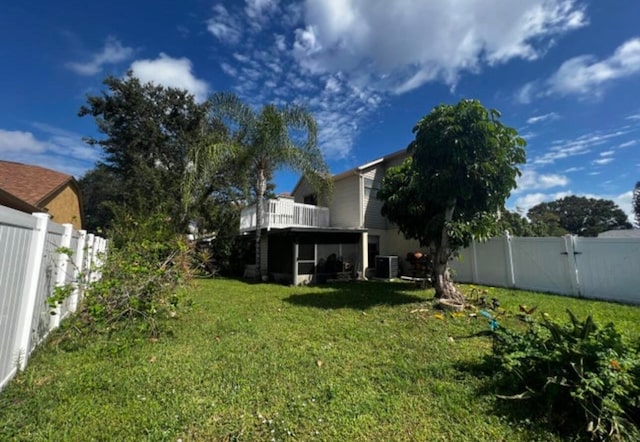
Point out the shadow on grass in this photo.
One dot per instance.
(523, 413)
(361, 295)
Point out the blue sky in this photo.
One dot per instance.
(565, 73)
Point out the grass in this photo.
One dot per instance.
(352, 361)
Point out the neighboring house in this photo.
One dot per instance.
(340, 240)
(36, 189)
(620, 233)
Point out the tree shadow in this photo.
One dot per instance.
(361, 295)
(517, 412)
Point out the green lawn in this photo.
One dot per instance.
(352, 361)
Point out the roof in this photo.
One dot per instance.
(359, 169)
(32, 184)
(620, 233)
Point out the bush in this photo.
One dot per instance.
(145, 264)
(584, 379)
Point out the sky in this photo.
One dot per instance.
(564, 73)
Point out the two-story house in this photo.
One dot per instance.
(303, 242)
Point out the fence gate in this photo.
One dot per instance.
(608, 268)
(543, 265)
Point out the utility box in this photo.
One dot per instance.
(386, 267)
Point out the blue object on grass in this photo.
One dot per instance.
(493, 324)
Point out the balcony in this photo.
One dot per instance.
(284, 212)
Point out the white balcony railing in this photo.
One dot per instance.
(284, 212)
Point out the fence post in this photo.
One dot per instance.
(511, 277)
(61, 273)
(78, 260)
(572, 266)
(99, 255)
(95, 259)
(474, 262)
(30, 289)
(88, 259)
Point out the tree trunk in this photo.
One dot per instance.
(260, 189)
(446, 291)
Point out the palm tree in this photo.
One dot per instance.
(262, 142)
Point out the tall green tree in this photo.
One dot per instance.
(636, 203)
(261, 142)
(148, 131)
(518, 225)
(101, 188)
(580, 215)
(463, 166)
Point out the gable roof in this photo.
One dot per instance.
(32, 184)
(359, 169)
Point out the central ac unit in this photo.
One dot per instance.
(386, 267)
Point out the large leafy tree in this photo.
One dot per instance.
(148, 131)
(518, 225)
(580, 215)
(101, 188)
(636, 203)
(261, 142)
(463, 166)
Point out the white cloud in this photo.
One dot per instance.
(581, 145)
(602, 161)
(574, 169)
(625, 202)
(405, 44)
(112, 53)
(542, 118)
(585, 75)
(526, 93)
(259, 11)
(525, 202)
(171, 72)
(607, 153)
(633, 117)
(55, 149)
(628, 144)
(532, 180)
(18, 141)
(342, 58)
(224, 26)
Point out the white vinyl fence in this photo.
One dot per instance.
(600, 268)
(32, 264)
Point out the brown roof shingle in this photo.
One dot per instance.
(33, 184)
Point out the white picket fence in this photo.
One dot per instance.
(32, 264)
(598, 268)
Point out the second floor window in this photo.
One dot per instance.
(312, 199)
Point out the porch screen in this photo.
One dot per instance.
(335, 258)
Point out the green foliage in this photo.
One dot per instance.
(518, 225)
(144, 267)
(464, 164)
(148, 131)
(579, 215)
(258, 143)
(581, 377)
(463, 159)
(60, 293)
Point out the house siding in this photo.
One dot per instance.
(64, 207)
(344, 208)
(371, 206)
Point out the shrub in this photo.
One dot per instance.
(145, 264)
(584, 379)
